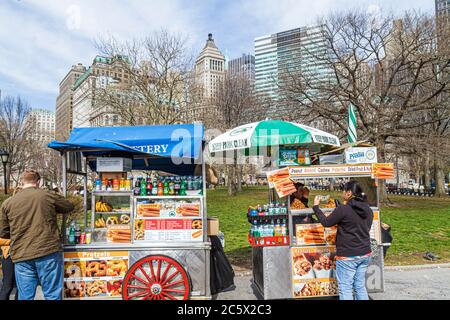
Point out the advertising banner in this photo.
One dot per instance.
(330, 171)
(169, 230)
(314, 272)
(315, 234)
(357, 155)
(280, 180)
(294, 157)
(94, 274)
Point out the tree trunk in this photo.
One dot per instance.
(231, 175)
(439, 178)
(427, 176)
(239, 177)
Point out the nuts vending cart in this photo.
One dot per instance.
(144, 239)
(305, 267)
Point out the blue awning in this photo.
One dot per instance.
(162, 146)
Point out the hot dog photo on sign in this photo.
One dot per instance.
(281, 181)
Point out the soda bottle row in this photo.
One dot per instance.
(113, 184)
(269, 228)
(274, 208)
(166, 186)
(76, 236)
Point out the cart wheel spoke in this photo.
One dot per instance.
(171, 277)
(169, 265)
(140, 293)
(158, 272)
(169, 296)
(168, 281)
(174, 290)
(145, 275)
(138, 287)
(150, 263)
(139, 279)
(173, 284)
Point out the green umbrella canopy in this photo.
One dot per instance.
(270, 133)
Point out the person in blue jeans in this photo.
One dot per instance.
(353, 220)
(29, 220)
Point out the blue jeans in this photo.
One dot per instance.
(351, 275)
(46, 271)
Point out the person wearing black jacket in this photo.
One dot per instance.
(354, 220)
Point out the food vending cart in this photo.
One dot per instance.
(302, 263)
(145, 238)
(297, 260)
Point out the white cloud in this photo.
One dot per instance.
(41, 39)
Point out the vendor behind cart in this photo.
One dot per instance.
(302, 194)
(354, 220)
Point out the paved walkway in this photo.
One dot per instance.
(426, 282)
(401, 283)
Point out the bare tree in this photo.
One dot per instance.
(389, 69)
(157, 83)
(234, 104)
(15, 135)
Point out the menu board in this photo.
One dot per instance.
(315, 234)
(94, 274)
(169, 230)
(314, 272)
(168, 209)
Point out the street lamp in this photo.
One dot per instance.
(4, 155)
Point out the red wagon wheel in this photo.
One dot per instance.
(156, 278)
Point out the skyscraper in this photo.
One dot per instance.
(281, 56)
(103, 72)
(64, 102)
(244, 65)
(210, 68)
(42, 125)
(443, 10)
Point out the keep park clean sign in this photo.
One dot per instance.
(358, 155)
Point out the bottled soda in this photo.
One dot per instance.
(183, 187)
(98, 185)
(177, 186)
(166, 188)
(71, 236)
(137, 187)
(160, 188)
(155, 188)
(171, 187)
(143, 191)
(149, 186)
(190, 183)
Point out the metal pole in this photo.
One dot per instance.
(85, 182)
(205, 212)
(4, 178)
(64, 173)
(64, 187)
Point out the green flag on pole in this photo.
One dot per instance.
(351, 124)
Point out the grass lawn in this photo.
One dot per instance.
(418, 225)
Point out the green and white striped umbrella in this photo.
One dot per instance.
(270, 133)
(351, 124)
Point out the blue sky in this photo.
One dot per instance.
(41, 39)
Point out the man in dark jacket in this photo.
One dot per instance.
(29, 220)
(354, 220)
